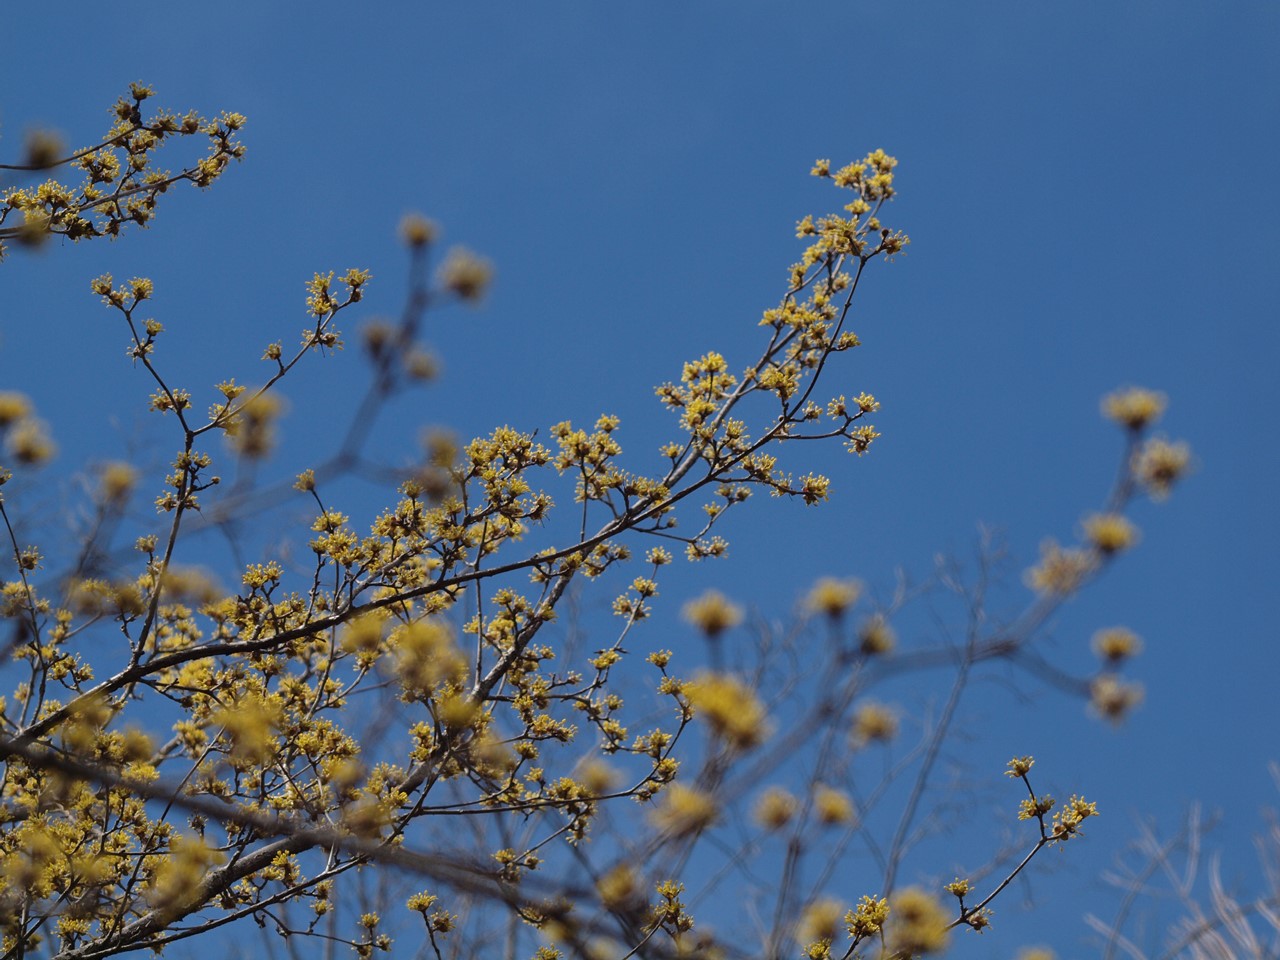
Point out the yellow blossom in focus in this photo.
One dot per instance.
(1019, 767)
(868, 918)
(421, 902)
(1066, 822)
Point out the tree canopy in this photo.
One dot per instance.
(405, 716)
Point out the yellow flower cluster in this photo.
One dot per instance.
(22, 436)
(1062, 571)
(731, 709)
(122, 181)
(713, 613)
(833, 597)
(1134, 407)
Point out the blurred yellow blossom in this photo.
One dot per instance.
(14, 406)
(731, 709)
(712, 613)
(417, 230)
(874, 722)
(820, 920)
(832, 806)
(917, 923)
(116, 481)
(1113, 698)
(1159, 464)
(876, 637)
(683, 810)
(1115, 644)
(1061, 571)
(833, 597)
(1134, 407)
(1110, 532)
(465, 274)
(775, 808)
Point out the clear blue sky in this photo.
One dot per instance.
(1090, 190)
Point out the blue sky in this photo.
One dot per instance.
(1091, 198)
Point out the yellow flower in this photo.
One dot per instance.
(1116, 644)
(917, 923)
(1020, 767)
(13, 407)
(465, 274)
(712, 613)
(251, 426)
(1134, 407)
(116, 481)
(730, 708)
(29, 443)
(874, 721)
(775, 808)
(1110, 532)
(179, 875)
(819, 920)
(1066, 822)
(1062, 571)
(832, 806)
(1159, 464)
(251, 723)
(421, 902)
(876, 637)
(833, 597)
(417, 231)
(426, 655)
(619, 887)
(868, 918)
(1112, 698)
(1029, 809)
(683, 810)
